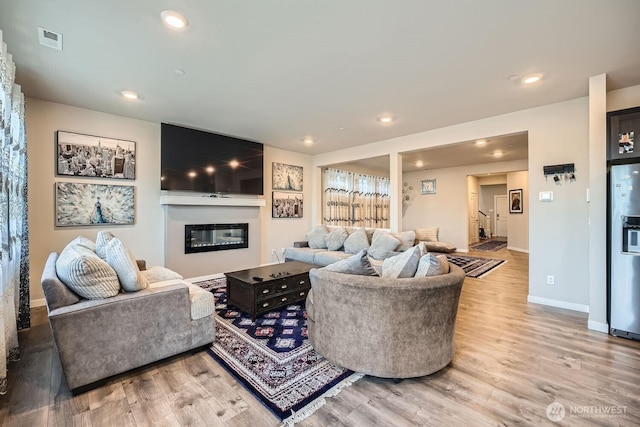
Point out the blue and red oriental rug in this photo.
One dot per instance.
(272, 357)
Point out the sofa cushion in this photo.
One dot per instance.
(329, 257)
(82, 271)
(102, 239)
(432, 265)
(383, 244)
(427, 234)
(335, 239)
(403, 265)
(439, 247)
(356, 264)
(201, 301)
(407, 240)
(316, 237)
(159, 274)
(301, 254)
(356, 241)
(124, 263)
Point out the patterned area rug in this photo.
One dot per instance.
(492, 245)
(272, 358)
(475, 267)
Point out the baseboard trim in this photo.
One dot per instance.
(40, 302)
(557, 303)
(598, 326)
(462, 250)
(513, 248)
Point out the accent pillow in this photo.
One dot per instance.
(383, 244)
(124, 263)
(357, 264)
(407, 240)
(102, 239)
(432, 265)
(82, 271)
(439, 247)
(316, 237)
(403, 265)
(84, 242)
(335, 239)
(157, 274)
(423, 248)
(356, 241)
(427, 234)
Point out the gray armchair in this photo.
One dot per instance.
(390, 328)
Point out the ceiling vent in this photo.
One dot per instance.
(50, 38)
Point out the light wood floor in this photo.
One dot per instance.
(512, 360)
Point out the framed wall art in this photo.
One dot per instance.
(94, 204)
(515, 201)
(95, 156)
(287, 177)
(286, 205)
(428, 186)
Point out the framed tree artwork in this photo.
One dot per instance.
(515, 201)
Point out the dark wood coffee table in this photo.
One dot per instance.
(281, 284)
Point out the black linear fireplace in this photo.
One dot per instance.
(215, 237)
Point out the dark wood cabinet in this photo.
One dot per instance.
(281, 285)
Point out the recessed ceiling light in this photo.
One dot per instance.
(234, 164)
(531, 79)
(498, 153)
(386, 119)
(192, 174)
(419, 164)
(481, 142)
(129, 94)
(210, 169)
(174, 19)
(179, 72)
(308, 140)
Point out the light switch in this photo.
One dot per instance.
(545, 196)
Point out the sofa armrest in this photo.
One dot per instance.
(100, 338)
(301, 244)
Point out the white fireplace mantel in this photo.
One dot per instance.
(210, 201)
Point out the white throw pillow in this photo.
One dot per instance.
(82, 271)
(432, 265)
(335, 239)
(124, 263)
(427, 234)
(383, 245)
(403, 265)
(102, 239)
(316, 237)
(356, 241)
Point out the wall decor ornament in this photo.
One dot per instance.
(286, 177)
(515, 201)
(95, 156)
(428, 186)
(286, 205)
(94, 204)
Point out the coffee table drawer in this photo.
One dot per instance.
(265, 291)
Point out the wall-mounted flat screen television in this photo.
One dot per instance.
(195, 160)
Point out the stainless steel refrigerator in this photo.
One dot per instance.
(624, 250)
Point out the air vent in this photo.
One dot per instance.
(50, 38)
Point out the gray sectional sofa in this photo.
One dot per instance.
(101, 329)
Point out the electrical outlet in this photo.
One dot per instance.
(551, 280)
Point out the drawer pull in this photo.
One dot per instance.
(266, 304)
(265, 291)
(301, 282)
(284, 299)
(283, 287)
(302, 294)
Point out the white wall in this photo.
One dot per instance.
(278, 233)
(518, 231)
(447, 208)
(487, 193)
(145, 237)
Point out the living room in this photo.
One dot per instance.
(566, 238)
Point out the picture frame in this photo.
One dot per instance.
(286, 205)
(79, 204)
(428, 186)
(516, 205)
(286, 177)
(90, 156)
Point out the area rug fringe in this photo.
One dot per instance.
(318, 403)
(493, 269)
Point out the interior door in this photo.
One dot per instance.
(501, 216)
(473, 218)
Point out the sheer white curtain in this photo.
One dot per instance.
(14, 248)
(355, 200)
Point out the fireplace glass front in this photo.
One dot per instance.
(215, 237)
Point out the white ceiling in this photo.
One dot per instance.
(276, 72)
